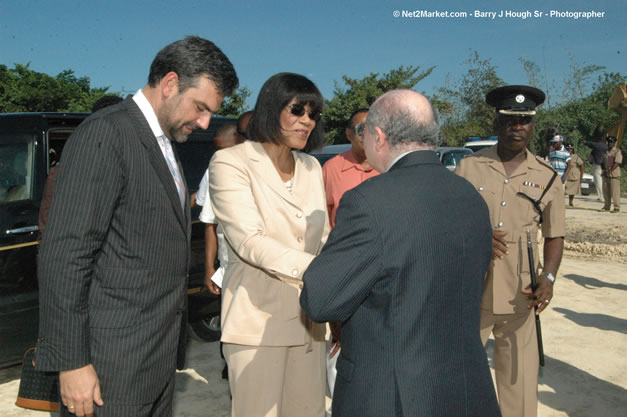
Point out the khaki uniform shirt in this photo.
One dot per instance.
(618, 161)
(514, 214)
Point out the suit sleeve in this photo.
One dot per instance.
(237, 212)
(86, 192)
(338, 281)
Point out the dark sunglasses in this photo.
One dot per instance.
(359, 129)
(299, 110)
(511, 120)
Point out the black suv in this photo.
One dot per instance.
(30, 143)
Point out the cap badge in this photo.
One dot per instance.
(520, 98)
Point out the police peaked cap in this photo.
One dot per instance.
(518, 100)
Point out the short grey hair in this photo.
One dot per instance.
(400, 121)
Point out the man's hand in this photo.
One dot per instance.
(543, 294)
(80, 389)
(211, 286)
(499, 245)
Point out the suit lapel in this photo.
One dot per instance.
(157, 160)
(265, 169)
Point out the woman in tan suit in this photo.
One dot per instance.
(269, 199)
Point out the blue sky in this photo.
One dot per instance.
(113, 42)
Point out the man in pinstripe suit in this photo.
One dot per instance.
(115, 254)
(403, 271)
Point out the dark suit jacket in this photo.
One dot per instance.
(114, 259)
(403, 270)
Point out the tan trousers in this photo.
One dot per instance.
(611, 192)
(276, 381)
(516, 361)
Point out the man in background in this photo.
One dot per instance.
(559, 156)
(598, 150)
(349, 169)
(611, 175)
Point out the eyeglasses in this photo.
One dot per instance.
(299, 110)
(359, 129)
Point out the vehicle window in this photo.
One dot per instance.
(16, 168)
(451, 159)
(56, 141)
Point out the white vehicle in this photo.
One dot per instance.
(476, 143)
(587, 185)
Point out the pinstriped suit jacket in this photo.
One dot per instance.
(114, 259)
(403, 270)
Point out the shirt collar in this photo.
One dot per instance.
(398, 158)
(349, 161)
(149, 113)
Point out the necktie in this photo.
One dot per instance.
(174, 168)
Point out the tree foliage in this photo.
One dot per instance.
(235, 104)
(25, 90)
(578, 120)
(462, 105)
(361, 93)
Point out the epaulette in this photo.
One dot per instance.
(546, 164)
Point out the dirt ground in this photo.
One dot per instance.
(585, 333)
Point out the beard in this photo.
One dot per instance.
(174, 129)
(180, 133)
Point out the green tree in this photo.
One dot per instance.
(578, 119)
(462, 103)
(361, 93)
(25, 90)
(235, 105)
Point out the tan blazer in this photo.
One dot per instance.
(273, 235)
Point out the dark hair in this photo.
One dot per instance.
(275, 94)
(349, 122)
(240, 120)
(105, 101)
(190, 58)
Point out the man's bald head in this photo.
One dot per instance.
(406, 117)
(399, 121)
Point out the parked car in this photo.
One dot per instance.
(587, 185)
(450, 156)
(476, 143)
(30, 143)
(329, 151)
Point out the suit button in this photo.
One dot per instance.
(503, 203)
(506, 181)
(299, 214)
(500, 224)
(481, 188)
(295, 272)
(300, 240)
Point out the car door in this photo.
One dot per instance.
(19, 208)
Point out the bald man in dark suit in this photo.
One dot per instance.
(403, 271)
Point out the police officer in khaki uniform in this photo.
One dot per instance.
(523, 193)
(611, 175)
